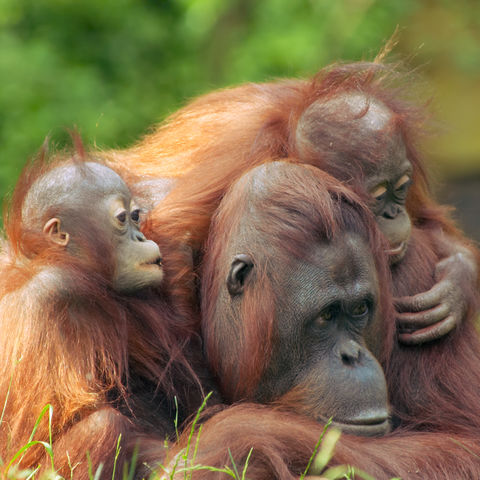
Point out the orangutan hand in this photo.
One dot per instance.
(430, 315)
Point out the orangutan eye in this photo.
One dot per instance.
(328, 314)
(404, 182)
(379, 192)
(121, 217)
(402, 185)
(135, 215)
(401, 188)
(360, 310)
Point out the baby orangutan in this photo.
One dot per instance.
(85, 329)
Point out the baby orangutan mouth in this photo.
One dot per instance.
(156, 262)
(396, 250)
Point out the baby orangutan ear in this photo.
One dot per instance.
(240, 268)
(54, 233)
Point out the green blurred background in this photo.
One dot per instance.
(113, 68)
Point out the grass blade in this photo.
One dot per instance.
(317, 445)
(234, 466)
(117, 453)
(326, 452)
(244, 472)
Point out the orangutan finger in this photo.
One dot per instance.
(428, 334)
(422, 301)
(422, 319)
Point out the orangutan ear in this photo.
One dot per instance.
(54, 233)
(240, 269)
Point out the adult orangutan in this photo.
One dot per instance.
(353, 122)
(289, 292)
(85, 327)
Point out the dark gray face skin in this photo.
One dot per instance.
(99, 195)
(327, 303)
(388, 185)
(389, 181)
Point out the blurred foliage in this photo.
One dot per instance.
(115, 67)
(449, 55)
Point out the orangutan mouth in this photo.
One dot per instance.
(156, 262)
(396, 250)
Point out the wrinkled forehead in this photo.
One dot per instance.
(346, 249)
(391, 161)
(346, 261)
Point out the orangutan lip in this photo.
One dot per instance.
(396, 250)
(375, 421)
(157, 262)
(372, 423)
(368, 421)
(364, 429)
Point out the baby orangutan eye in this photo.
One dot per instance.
(121, 217)
(135, 215)
(404, 182)
(402, 186)
(378, 193)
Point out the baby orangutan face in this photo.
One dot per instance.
(94, 197)
(138, 260)
(388, 186)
